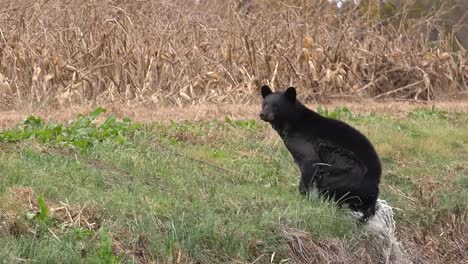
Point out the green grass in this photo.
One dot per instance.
(211, 192)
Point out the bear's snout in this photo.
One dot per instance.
(266, 117)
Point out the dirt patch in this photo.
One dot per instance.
(153, 113)
(17, 201)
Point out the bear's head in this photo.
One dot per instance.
(278, 107)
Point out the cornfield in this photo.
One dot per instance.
(179, 52)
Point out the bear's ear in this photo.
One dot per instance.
(290, 94)
(265, 91)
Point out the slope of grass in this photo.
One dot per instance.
(209, 192)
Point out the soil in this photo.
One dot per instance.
(152, 113)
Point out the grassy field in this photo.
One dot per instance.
(95, 189)
(223, 191)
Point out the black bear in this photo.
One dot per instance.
(333, 157)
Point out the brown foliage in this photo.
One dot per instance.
(181, 52)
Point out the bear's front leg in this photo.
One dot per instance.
(309, 176)
(302, 186)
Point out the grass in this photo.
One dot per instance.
(214, 192)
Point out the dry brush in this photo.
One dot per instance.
(58, 52)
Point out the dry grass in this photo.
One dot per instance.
(304, 248)
(206, 112)
(57, 53)
(17, 201)
(446, 242)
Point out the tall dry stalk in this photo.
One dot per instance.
(57, 52)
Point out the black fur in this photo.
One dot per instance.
(332, 156)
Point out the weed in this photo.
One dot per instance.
(428, 113)
(81, 133)
(345, 113)
(245, 124)
(104, 252)
(338, 113)
(43, 214)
